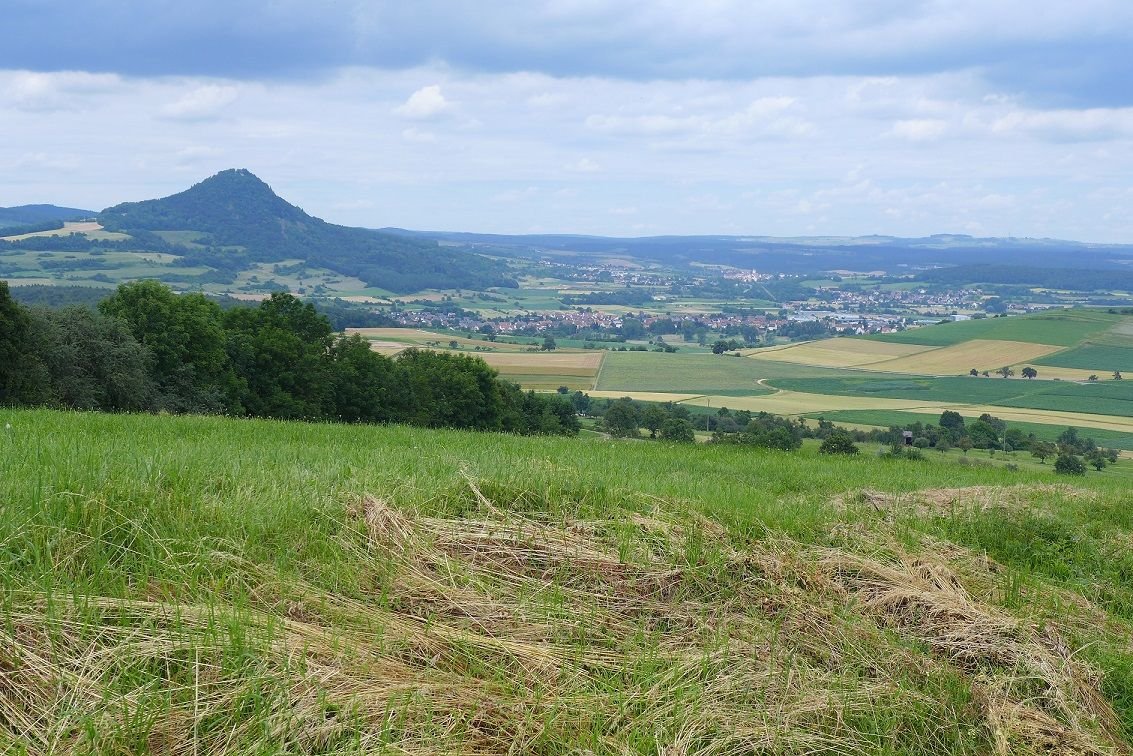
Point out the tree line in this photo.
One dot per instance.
(147, 349)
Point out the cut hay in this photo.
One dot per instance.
(501, 632)
(937, 501)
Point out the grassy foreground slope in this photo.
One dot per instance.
(200, 585)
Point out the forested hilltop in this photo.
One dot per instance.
(147, 349)
(234, 219)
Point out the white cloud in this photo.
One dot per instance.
(919, 129)
(427, 102)
(201, 103)
(417, 135)
(1067, 125)
(584, 165)
(58, 91)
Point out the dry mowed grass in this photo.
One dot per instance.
(841, 352)
(980, 354)
(585, 363)
(405, 338)
(546, 371)
(890, 357)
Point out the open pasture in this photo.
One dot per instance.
(90, 229)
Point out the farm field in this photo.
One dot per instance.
(956, 359)
(1105, 398)
(1098, 358)
(1055, 327)
(697, 373)
(250, 586)
(535, 370)
(546, 371)
(392, 340)
(839, 353)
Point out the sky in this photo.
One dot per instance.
(621, 118)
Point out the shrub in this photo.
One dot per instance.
(1068, 464)
(838, 443)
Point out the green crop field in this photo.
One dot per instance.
(1104, 398)
(697, 373)
(1045, 432)
(1055, 327)
(1104, 358)
(192, 585)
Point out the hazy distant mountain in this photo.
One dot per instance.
(234, 219)
(26, 215)
(805, 255)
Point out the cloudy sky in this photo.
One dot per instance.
(619, 117)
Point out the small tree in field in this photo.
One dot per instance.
(974, 373)
(1029, 372)
(1042, 450)
(964, 444)
(677, 430)
(1117, 375)
(1005, 371)
(838, 442)
(1069, 464)
(1097, 460)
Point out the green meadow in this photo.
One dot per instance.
(196, 585)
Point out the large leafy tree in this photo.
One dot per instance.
(91, 361)
(185, 335)
(280, 356)
(13, 345)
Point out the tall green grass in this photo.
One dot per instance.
(192, 585)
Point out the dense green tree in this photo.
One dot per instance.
(91, 361)
(279, 352)
(652, 418)
(983, 435)
(838, 442)
(14, 324)
(952, 422)
(622, 419)
(1069, 464)
(364, 384)
(186, 337)
(448, 390)
(1029, 372)
(676, 430)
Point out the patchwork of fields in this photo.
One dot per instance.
(855, 375)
